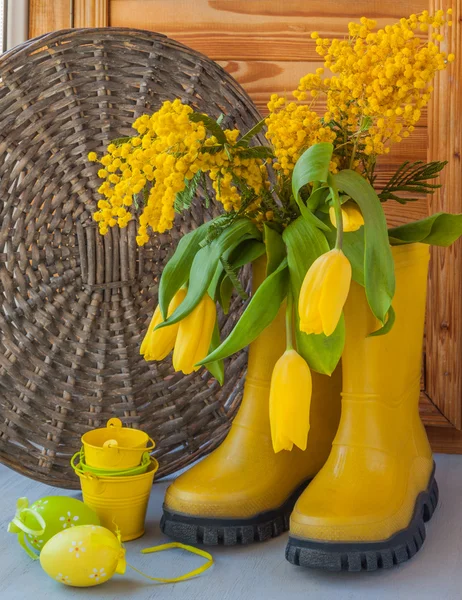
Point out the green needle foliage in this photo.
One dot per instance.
(412, 178)
(233, 274)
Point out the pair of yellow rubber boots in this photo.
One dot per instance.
(368, 462)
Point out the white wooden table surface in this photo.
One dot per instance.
(249, 572)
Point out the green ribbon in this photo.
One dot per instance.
(19, 527)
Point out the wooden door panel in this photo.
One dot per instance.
(46, 15)
(444, 308)
(266, 46)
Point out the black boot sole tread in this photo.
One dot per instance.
(368, 556)
(230, 532)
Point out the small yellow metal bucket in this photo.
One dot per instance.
(115, 447)
(119, 502)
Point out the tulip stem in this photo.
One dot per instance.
(289, 319)
(338, 214)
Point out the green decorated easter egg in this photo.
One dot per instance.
(39, 522)
(83, 556)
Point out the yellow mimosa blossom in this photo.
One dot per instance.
(324, 292)
(194, 336)
(157, 344)
(289, 404)
(352, 217)
(157, 163)
(383, 76)
(291, 129)
(375, 84)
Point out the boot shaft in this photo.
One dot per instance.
(388, 365)
(381, 375)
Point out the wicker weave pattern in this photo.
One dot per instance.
(74, 305)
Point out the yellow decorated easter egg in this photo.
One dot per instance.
(83, 556)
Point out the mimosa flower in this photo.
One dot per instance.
(324, 292)
(194, 336)
(289, 404)
(158, 343)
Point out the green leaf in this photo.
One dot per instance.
(312, 166)
(205, 264)
(216, 368)
(210, 124)
(388, 325)
(217, 226)
(246, 252)
(318, 196)
(275, 249)
(233, 275)
(211, 149)
(227, 262)
(216, 281)
(245, 139)
(226, 292)
(440, 229)
(121, 140)
(366, 122)
(379, 273)
(260, 312)
(256, 152)
(184, 199)
(305, 244)
(176, 271)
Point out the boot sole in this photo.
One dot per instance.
(369, 556)
(230, 532)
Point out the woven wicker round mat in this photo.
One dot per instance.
(74, 305)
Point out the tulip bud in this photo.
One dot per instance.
(159, 343)
(324, 292)
(289, 403)
(194, 336)
(351, 216)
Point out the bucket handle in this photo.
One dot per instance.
(151, 445)
(77, 468)
(117, 423)
(81, 473)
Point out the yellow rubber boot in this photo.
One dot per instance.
(244, 492)
(367, 506)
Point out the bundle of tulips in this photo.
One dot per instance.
(306, 201)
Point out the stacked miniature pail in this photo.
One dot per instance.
(116, 473)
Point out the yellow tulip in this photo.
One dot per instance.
(289, 404)
(324, 292)
(158, 344)
(351, 216)
(194, 336)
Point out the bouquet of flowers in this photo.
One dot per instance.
(306, 201)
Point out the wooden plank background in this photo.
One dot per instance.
(444, 304)
(48, 15)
